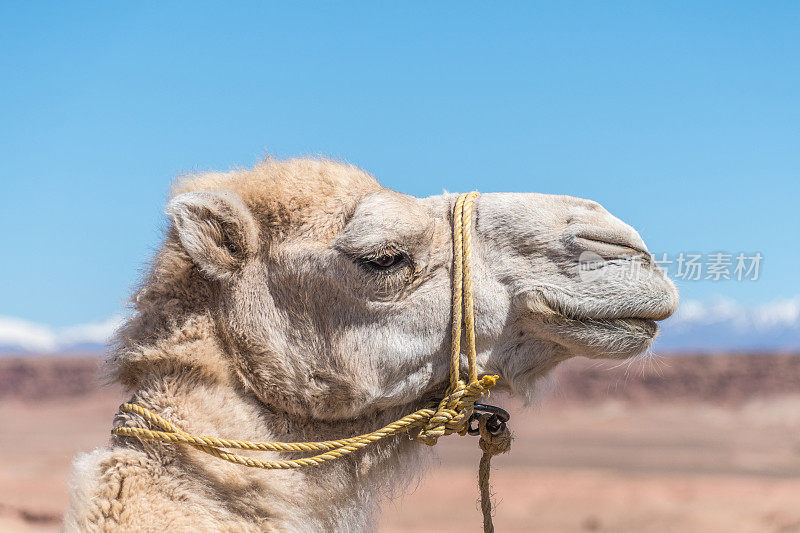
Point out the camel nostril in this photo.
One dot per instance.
(614, 243)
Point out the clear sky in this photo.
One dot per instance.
(681, 119)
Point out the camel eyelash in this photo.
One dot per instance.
(384, 262)
(386, 259)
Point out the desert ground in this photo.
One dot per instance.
(675, 443)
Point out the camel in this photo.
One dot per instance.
(301, 301)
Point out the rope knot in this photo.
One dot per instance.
(453, 411)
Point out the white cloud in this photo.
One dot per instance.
(782, 313)
(29, 336)
(93, 332)
(26, 335)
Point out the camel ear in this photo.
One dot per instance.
(216, 229)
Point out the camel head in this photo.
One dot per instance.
(330, 294)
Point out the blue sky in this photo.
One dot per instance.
(681, 119)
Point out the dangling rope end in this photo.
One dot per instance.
(492, 443)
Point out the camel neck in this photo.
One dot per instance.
(334, 496)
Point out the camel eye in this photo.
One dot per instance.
(382, 262)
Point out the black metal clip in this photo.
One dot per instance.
(496, 423)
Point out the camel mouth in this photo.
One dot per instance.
(647, 326)
(646, 318)
(597, 336)
(614, 320)
(637, 321)
(546, 304)
(609, 338)
(641, 326)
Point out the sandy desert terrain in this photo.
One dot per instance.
(683, 443)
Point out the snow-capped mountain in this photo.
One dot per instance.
(721, 324)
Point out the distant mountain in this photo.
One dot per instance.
(719, 325)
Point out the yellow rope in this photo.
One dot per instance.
(451, 415)
(166, 432)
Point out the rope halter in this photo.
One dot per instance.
(455, 413)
